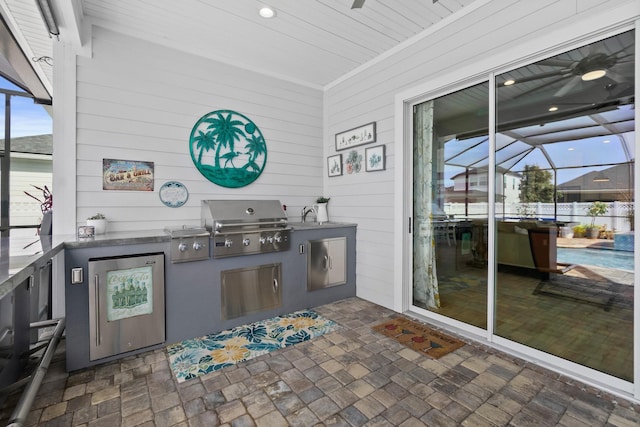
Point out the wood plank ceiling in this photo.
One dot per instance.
(313, 42)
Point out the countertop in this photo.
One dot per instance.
(37, 251)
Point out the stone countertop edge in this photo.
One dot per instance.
(315, 226)
(15, 270)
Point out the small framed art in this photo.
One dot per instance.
(334, 165)
(353, 137)
(374, 159)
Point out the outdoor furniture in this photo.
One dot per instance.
(543, 243)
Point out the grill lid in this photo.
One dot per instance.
(226, 215)
(186, 231)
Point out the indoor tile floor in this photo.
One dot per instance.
(351, 377)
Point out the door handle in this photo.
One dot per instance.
(97, 309)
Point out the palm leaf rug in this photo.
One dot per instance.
(194, 357)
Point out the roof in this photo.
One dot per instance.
(618, 178)
(34, 144)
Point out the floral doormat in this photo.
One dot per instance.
(191, 358)
(419, 337)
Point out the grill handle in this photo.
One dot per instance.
(220, 226)
(218, 232)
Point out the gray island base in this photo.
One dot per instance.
(255, 287)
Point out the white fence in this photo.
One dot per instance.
(616, 218)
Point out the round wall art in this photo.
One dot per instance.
(228, 148)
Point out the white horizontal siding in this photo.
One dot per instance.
(139, 101)
(24, 175)
(470, 46)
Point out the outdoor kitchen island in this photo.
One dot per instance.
(194, 291)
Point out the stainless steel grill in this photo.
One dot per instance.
(245, 227)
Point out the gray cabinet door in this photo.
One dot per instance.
(326, 263)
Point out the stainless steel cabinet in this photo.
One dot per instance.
(326, 263)
(250, 289)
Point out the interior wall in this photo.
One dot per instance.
(488, 38)
(139, 101)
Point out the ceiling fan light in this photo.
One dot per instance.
(267, 12)
(593, 75)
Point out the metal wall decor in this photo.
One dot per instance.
(130, 175)
(228, 148)
(173, 194)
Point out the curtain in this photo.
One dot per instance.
(425, 280)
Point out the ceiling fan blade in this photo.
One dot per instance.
(541, 76)
(568, 86)
(555, 62)
(537, 88)
(357, 4)
(615, 76)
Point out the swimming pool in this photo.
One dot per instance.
(607, 258)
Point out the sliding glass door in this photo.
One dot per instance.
(564, 244)
(563, 208)
(450, 208)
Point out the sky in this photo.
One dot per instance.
(27, 118)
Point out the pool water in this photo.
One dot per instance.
(622, 260)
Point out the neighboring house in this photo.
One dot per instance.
(507, 187)
(607, 185)
(31, 164)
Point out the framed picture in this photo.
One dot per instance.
(374, 159)
(334, 165)
(357, 136)
(129, 175)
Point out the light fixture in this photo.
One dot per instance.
(600, 177)
(593, 75)
(47, 17)
(508, 82)
(267, 12)
(553, 108)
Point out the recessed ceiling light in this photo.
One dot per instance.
(606, 141)
(593, 75)
(267, 12)
(553, 108)
(571, 148)
(508, 82)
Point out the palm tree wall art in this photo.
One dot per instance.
(228, 148)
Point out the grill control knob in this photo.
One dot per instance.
(263, 240)
(182, 246)
(197, 246)
(278, 238)
(228, 243)
(246, 242)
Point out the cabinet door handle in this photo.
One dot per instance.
(330, 263)
(275, 285)
(97, 309)
(326, 262)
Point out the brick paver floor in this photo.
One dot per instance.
(351, 377)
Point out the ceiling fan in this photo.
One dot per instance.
(357, 4)
(594, 65)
